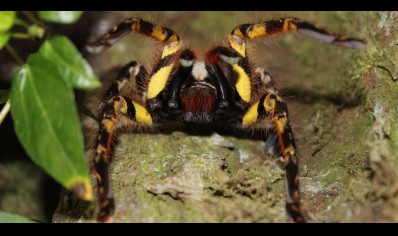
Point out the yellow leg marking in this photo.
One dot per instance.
(98, 177)
(171, 48)
(251, 115)
(238, 33)
(124, 106)
(158, 34)
(281, 124)
(108, 124)
(243, 85)
(101, 190)
(289, 150)
(142, 115)
(101, 149)
(159, 80)
(257, 31)
(287, 26)
(172, 38)
(239, 47)
(269, 104)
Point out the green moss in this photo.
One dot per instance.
(185, 189)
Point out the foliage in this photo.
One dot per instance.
(42, 101)
(65, 17)
(12, 218)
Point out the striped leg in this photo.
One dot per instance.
(268, 28)
(266, 83)
(109, 116)
(131, 71)
(163, 68)
(111, 107)
(137, 25)
(272, 109)
(241, 73)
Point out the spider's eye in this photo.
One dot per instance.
(186, 63)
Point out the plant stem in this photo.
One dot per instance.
(14, 54)
(4, 111)
(31, 17)
(20, 35)
(17, 58)
(22, 23)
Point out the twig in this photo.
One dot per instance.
(17, 58)
(21, 35)
(31, 17)
(5, 110)
(14, 54)
(22, 23)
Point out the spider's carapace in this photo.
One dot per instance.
(223, 88)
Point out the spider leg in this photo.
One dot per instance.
(112, 107)
(272, 110)
(163, 68)
(270, 145)
(268, 28)
(266, 82)
(131, 70)
(159, 33)
(223, 55)
(109, 116)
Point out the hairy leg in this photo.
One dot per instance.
(272, 110)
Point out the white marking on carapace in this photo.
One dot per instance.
(199, 71)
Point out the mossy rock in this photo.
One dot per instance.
(343, 105)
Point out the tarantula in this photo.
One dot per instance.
(223, 89)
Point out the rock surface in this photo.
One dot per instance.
(343, 105)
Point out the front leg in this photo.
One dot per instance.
(111, 108)
(272, 110)
(109, 118)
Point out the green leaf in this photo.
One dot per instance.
(47, 124)
(70, 64)
(13, 218)
(45, 114)
(4, 39)
(4, 95)
(65, 17)
(7, 19)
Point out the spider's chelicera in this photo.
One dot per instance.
(224, 88)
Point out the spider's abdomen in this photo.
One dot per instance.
(199, 97)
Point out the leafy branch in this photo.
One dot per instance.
(41, 98)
